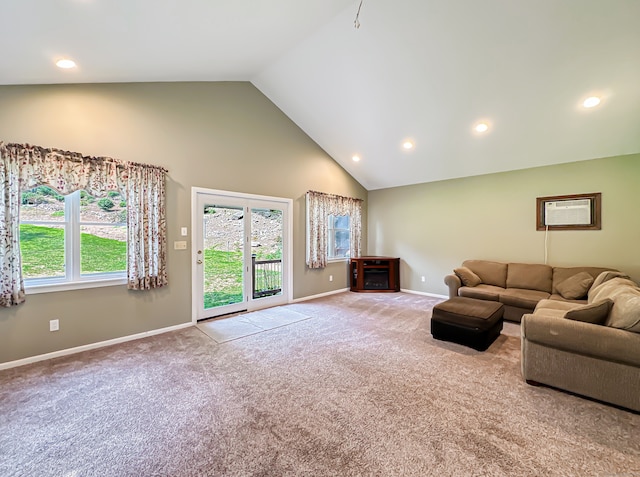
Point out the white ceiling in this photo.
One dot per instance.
(420, 69)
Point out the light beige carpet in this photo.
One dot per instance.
(358, 389)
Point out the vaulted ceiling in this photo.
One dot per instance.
(418, 71)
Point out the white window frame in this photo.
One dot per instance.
(331, 238)
(73, 279)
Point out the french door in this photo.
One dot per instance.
(241, 252)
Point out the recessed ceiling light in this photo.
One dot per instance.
(591, 102)
(407, 145)
(65, 63)
(355, 158)
(481, 127)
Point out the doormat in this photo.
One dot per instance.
(239, 326)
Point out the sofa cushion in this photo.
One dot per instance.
(595, 313)
(605, 277)
(467, 277)
(549, 303)
(550, 312)
(561, 298)
(529, 276)
(482, 292)
(609, 289)
(549, 307)
(625, 313)
(560, 274)
(522, 298)
(576, 286)
(491, 273)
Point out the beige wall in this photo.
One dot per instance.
(434, 227)
(216, 135)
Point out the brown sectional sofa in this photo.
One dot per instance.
(580, 325)
(519, 286)
(585, 351)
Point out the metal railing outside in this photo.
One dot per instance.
(266, 277)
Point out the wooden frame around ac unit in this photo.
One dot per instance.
(581, 221)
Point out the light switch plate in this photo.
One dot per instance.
(183, 231)
(180, 245)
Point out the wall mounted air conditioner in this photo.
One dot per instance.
(568, 212)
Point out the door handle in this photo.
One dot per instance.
(199, 262)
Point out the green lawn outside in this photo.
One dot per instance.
(101, 255)
(222, 278)
(43, 252)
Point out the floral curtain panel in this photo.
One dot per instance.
(11, 283)
(23, 166)
(146, 227)
(319, 207)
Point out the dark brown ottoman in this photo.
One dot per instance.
(467, 321)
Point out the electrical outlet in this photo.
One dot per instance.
(423, 280)
(330, 278)
(54, 325)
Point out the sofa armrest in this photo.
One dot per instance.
(596, 341)
(454, 283)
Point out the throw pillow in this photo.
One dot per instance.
(467, 277)
(595, 313)
(575, 287)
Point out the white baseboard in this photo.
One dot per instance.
(101, 344)
(311, 297)
(433, 295)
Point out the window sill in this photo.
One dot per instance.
(333, 260)
(32, 289)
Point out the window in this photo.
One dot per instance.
(334, 228)
(85, 260)
(339, 235)
(75, 239)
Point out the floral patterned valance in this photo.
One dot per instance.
(68, 172)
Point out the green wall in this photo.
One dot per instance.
(433, 227)
(225, 136)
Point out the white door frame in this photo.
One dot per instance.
(287, 246)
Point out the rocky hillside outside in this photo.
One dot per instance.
(44, 203)
(224, 231)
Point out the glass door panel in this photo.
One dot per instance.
(223, 256)
(266, 252)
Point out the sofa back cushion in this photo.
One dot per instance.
(560, 274)
(529, 276)
(625, 313)
(610, 288)
(606, 276)
(491, 273)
